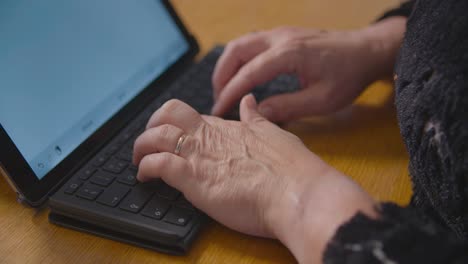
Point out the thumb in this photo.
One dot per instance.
(248, 110)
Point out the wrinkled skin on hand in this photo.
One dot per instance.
(236, 172)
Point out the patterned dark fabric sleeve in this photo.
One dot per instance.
(400, 235)
(405, 9)
(431, 98)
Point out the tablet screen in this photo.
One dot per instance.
(68, 66)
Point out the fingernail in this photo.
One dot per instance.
(266, 111)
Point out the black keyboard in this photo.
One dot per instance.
(154, 212)
(200, 94)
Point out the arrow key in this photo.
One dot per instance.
(137, 198)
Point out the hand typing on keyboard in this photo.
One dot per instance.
(251, 175)
(333, 68)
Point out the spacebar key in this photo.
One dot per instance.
(136, 199)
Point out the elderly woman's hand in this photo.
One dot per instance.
(251, 175)
(333, 67)
(234, 171)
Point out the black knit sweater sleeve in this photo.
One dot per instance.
(431, 98)
(400, 235)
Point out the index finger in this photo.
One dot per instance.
(261, 69)
(237, 53)
(176, 113)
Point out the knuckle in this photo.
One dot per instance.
(238, 45)
(232, 46)
(283, 29)
(281, 51)
(285, 32)
(164, 131)
(297, 45)
(248, 74)
(291, 55)
(285, 48)
(290, 47)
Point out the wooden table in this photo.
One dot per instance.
(363, 141)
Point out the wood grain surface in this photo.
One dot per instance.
(363, 141)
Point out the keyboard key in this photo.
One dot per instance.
(125, 154)
(124, 137)
(133, 168)
(128, 177)
(102, 178)
(115, 166)
(89, 192)
(145, 115)
(86, 173)
(137, 198)
(129, 145)
(72, 187)
(178, 216)
(99, 160)
(156, 208)
(167, 192)
(113, 195)
(112, 149)
(137, 127)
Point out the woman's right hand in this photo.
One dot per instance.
(333, 67)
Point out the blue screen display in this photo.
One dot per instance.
(67, 66)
